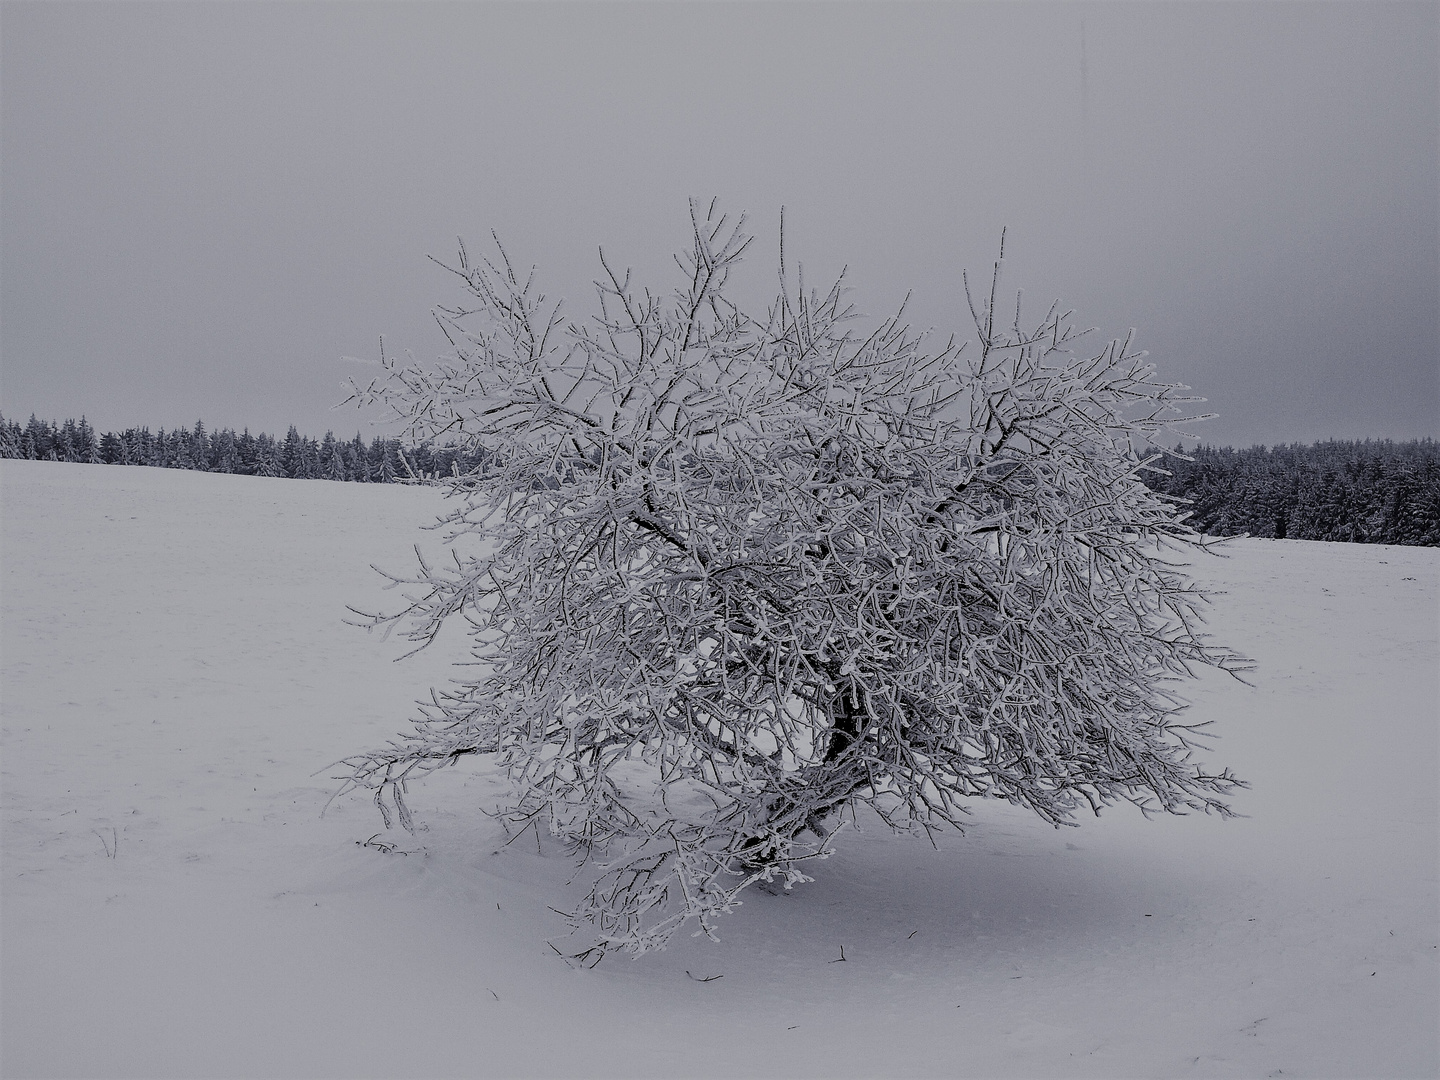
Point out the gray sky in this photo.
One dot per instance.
(203, 207)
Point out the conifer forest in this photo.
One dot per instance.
(382, 460)
(1370, 492)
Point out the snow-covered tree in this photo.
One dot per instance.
(112, 449)
(268, 457)
(66, 437)
(389, 463)
(729, 575)
(359, 468)
(87, 444)
(137, 446)
(335, 469)
(159, 457)
(182, 450)
(202, 447)
(12, 439)
(226, 451)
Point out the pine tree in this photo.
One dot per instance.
(268, 457)
(160, 450)
(290, 453)
(246, 453)
(38, 440)
(144, 447)
(200, 447)
(307, 461)
(111, 449)
(181, 454)
(384, 457)
(359, 464)
(65, 448)
(225, 452)
(12, 438)
(87, 445)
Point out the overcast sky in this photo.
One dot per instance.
(204, 207)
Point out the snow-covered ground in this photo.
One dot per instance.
(176, 670)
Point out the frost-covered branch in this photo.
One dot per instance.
(728, 575)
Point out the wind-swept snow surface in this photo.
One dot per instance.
(175, 669)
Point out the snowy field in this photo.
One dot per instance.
(176, 670)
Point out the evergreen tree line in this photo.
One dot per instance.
(381, 461)
(1371, 492)
(1375, 492)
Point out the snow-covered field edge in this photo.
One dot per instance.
(176, 674)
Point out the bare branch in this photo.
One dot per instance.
(725, 577)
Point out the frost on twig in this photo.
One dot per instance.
(726, 575)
